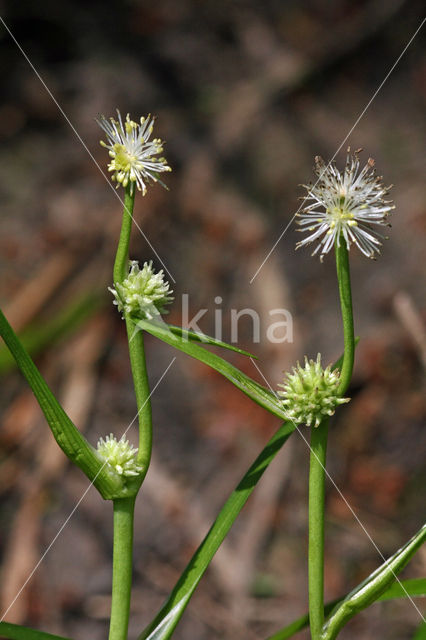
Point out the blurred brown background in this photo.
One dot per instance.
(246, 94)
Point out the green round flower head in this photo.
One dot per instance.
(310, 393)
(120, 455)
(143, 293)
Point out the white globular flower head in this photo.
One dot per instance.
(120, 455)
(133, 155)
(349, 205)
(143, 293)
(309, 393)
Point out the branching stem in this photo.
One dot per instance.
(124, 507)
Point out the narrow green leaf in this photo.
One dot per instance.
(39, 336)
(372, 587)
(413, 588)
(420, 633)
(300, 623)
(66, 434)
(17, 632)
(165, 622)
(195, 336)
(264, 397)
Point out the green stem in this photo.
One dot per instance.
(344, 279)
(124, 508)
(121, 568)
(135, 340)
(316, 528)
(122, 256)
(142, 393)
(319, 449)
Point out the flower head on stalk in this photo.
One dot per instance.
(120, 455)
(348, 204)
(133, 154)
(143, 293)
(309, 393)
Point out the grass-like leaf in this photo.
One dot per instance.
(406, 588)
(195, 336)
(300, 623)
(420, 633)
(414, 588)
(66, 434)
(373, 587)
(17, 632)
(165, 622)
(41, 335)
(264, 397)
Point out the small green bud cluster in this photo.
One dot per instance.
(310, 393)
(143, 293)
(120, 455)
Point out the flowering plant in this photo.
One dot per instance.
(341, 210)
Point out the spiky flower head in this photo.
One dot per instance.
(120, 455)
(310, 393)
(143, 293)
(350, 205)
(133, 154)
